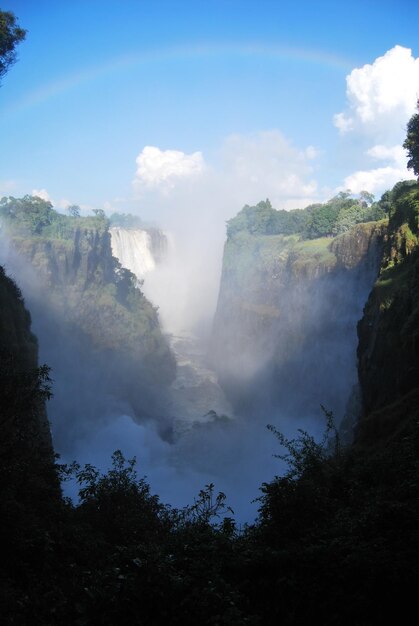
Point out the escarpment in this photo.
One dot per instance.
(30, 490)
(23, 383)
(96, 328)
(285, 328)
(388, 350)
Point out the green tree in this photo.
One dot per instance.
(99, 213)
(411, 143)
(29, 214)
(366, 197)
(73, 210)
(10, 35)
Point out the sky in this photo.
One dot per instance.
(171, 108)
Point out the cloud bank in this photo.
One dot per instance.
(385, 91)
(248, 168)
(382, 97)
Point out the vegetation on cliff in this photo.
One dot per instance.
(411, 143)
(286, 315)
(389, 330)
(327, 219)
(88, 304)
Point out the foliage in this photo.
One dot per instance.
(126, 220)
(30, 213)
(340, 214)
(305, 453)
(403, 200)
(331, 218)
(411, 143)
(263, 219)
(33, 216)
(10, 36)
(207, 506)
(339, 526)
(118, 503)
(73, 210)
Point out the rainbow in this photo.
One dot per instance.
(181, 53)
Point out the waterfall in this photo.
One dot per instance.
(134, 250)
(195, 396)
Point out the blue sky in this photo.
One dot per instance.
(149, 106)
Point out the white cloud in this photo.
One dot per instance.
(343, 123)
(63, 203)
(375, 180)
(162, 168)
(382, 96)
(41, 193)
(248, 169)
(266, 164)
(384, 153)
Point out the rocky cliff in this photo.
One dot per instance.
(29, 487)
(97, 330)
(388, 348)
(23, 414)
(284, 337)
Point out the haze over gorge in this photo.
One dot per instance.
(193, 407)
(209, 313)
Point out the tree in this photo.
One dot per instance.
(366, 197)
(99, 213)
(10, 35)
(73, 210)
(411, 143)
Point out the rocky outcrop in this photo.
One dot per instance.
(30, 490)
(388, 350)
(97, 330)
(22, 403)
(284, 337)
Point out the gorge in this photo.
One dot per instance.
(191, 436)
(283, 342)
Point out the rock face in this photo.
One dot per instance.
(23, 414)
(97, 331)
(29, 486)
(284, 338)
(388, 350)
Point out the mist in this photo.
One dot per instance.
(191, 199)
(210, 426)
(89, 421)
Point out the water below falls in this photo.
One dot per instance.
(195, 396)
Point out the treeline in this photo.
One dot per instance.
(327, 219)
(34, 216)
(126, 220)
